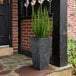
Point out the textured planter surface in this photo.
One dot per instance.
(41, 52)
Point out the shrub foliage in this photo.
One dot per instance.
(72, 54)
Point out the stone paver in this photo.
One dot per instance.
(15, 61)
(20, 65)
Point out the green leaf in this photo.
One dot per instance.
(40, 23)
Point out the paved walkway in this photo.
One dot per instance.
(19, 65)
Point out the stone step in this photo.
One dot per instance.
(3, 46)
(5, 51)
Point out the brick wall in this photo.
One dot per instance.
(15, 24)
(71, 19)
(26, 33)
(26, 25)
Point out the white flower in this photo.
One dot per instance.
(49, 0)
(40, 1)
(33, 2)
(27, 3)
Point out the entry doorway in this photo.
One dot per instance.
(5, 22)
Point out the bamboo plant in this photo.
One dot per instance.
(41, 24)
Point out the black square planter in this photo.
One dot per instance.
(41, 52)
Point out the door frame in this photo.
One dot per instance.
(10, 23)
(20, 50)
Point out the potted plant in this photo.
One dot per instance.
(41, 42)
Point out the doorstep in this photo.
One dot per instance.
(20, 65)
(3, 46)
(6, 50)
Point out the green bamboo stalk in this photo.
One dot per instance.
(40, 23)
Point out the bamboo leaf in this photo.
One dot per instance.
(40, 23)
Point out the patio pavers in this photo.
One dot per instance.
(19, 65)
(15, 61)
(30, 71)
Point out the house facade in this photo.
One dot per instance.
(20, 33)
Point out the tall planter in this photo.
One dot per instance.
(41, 43)
(41, 52)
